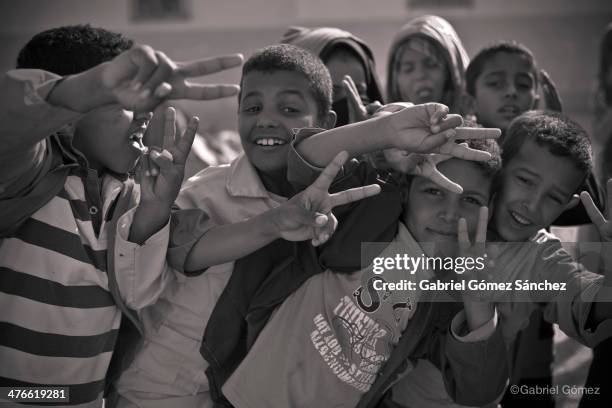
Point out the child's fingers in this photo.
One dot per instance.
(154, 136)
(464, 152)
(163, 160)
(462, 235)
(594, 214)
(481, 229)
(169, 128)
(432, 143)
(433, 174)
(145, 59)
(209, 65)
(353, 194)
(200, 92)
(322, 233)
(161, 74)
(371, 108)
(466, 133)
(449, 122)
(354, 100)
(183, 146)
(440, 112)
(328, 175)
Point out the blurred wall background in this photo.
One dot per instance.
(563, 34)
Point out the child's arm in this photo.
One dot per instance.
(422, 128)
(306, 216)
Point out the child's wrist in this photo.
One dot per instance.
(267, 225)
(382, 127)
(82, 92)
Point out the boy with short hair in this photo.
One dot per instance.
(528, 199)
(344, 328)
(501, 83)
(81, 246)
(283, 87)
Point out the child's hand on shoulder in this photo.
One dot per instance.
(308, 215)
(141, 77)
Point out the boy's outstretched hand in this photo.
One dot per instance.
(429, 128)
(308, 215)
(424, 165)
(141, 77)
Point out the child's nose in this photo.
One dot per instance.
(449, 214)
(510, 90)
(265, 121)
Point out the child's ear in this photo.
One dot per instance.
(572, 202)
(330, 120)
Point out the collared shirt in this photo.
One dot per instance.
(169, 370)
(228, 193)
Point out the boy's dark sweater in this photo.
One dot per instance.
(261, 281)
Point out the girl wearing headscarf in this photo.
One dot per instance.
(343, 54)
(427, 63)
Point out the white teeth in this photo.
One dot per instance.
(519, 219)
(269, 141)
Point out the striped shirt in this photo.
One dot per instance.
(68, 271)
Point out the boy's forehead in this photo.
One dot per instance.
(508, 62)
(275, 82)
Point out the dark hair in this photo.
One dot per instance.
(69, 50)
(477, 64)
(286, 57)
(559, 133)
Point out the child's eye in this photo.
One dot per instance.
(430, 63)
(290, 109)
(407, 68)
(433, 191)
(494, 84)
(524, 180)
(251, 109)
(523, 86)
(472, 200)
(556, 199)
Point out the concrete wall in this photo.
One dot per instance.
(563, 34)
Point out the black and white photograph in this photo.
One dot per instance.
(306, 203)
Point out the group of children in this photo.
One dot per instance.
(244, 289)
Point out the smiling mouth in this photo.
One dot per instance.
(270, 141)
(519, 219)
(136, 142)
